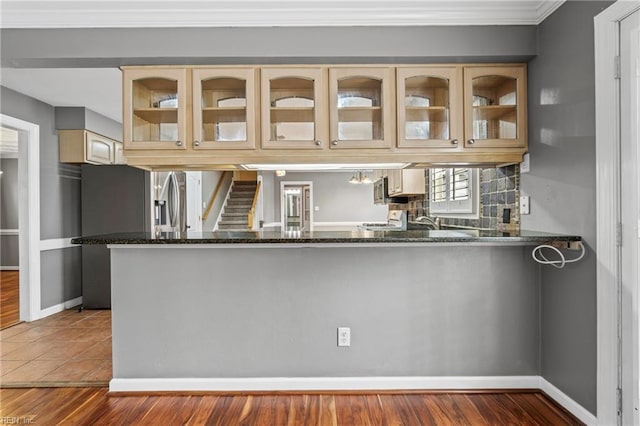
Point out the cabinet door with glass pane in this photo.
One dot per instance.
(495, 106)
(155, 108)
(224, 102)
(429, 107)
(361, 109)
(294, 108)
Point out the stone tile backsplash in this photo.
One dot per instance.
(499, 190)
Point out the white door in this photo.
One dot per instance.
(630, 215)
(194, 201)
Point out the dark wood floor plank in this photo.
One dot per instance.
(374, 408)
(422, 409)
(359, 410)
(390, 414)
(489, 416)
(552, 407)
(249, 411)
(85, 408)
(455, 412)
(514, 410)
(296, 413)
(61, 407)
(344, 412)
(281, 407)
(203, 412)
(327, 411)
(407, 413)
(311, 407)
(469, 411)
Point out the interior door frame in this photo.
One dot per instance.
(608, 197)
(283, 204)
(28, 215)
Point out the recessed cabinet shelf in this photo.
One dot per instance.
(428, 114)
(157, 115)
(292, 114)
(495, 112)
(360, 114)
(215, 115)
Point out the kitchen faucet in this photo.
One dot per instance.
(434, 222)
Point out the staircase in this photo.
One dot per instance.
(236, 210)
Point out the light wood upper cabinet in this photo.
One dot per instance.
(361, 107)
(495, 102)
(294, 111)
(224, 108)
(83, 146)
(429, 105)
(155, 108)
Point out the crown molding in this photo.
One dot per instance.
(264, 13)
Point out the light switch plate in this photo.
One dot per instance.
(525, 166)
(524, 204)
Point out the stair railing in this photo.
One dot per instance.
(214, 196)
(252, 212)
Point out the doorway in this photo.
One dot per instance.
(296, 199)
(28, 155)
(9, 228)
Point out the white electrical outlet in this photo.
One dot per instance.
(316, 208)
(344, 336)
(525, 166)
(524, 204)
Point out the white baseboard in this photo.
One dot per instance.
(569, 404)
(9, 268)
(322, 383)
(60, 307)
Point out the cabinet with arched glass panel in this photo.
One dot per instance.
(429, 107)
(361, 107)
(155, 108)
(294, 108)
(495, 100)
(224, 102)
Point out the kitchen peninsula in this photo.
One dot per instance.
(421, 305)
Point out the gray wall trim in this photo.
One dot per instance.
(111, 47)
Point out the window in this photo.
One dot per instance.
(454, 192)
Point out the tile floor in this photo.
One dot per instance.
(68, 348)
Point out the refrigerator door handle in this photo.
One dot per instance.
(174, 200)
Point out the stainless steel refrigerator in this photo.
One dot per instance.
(114, 199)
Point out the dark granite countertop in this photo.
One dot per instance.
(330, 237)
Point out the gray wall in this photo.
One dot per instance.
(9, 211)
(562, 185)
(279, 317)
(74, 118)
(42, 48)
(59, 200)
(339, 200)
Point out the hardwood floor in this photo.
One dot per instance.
(9, 299)
(94, 406)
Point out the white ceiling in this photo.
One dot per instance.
(99, 89)
(268, 13)
(77, 87)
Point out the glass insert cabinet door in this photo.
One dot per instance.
(294, 108)
(429, 107)
(361, 107)
(155, 99)
(224, 108)
(495, 107)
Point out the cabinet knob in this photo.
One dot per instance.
(179, 143)
(454, 142)
(318, 143)
(471, 141)
(334, 143)
(196, 143)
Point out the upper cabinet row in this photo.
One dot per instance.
(443, 107)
